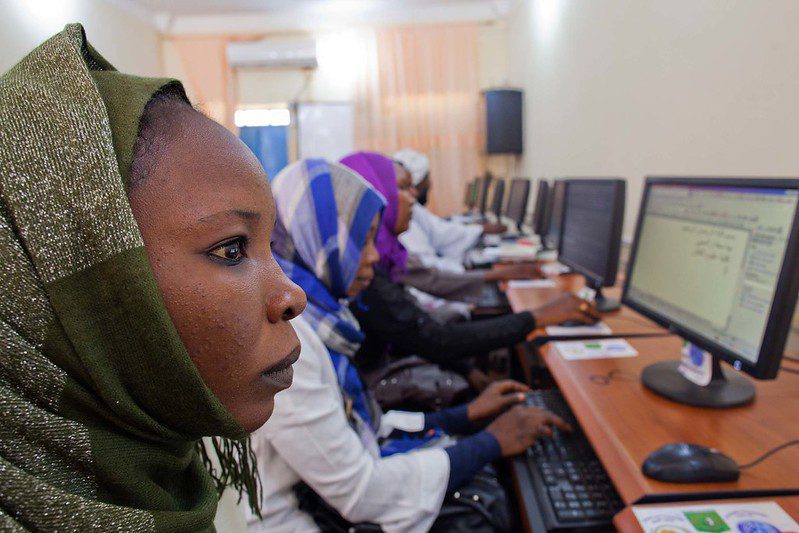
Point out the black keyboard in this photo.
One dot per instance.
(571, 485)
(492, 296)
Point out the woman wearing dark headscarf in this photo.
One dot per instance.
(395, 325)
(142, 308)
(326, 431)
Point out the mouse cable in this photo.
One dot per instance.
(789, 370)
(770, 453)
(614, 375)
(791, 359)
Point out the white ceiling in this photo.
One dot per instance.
(217, 7)
(242, 16)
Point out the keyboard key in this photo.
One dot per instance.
(571, 515)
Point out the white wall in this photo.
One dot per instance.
(118, 30)
(682, 87)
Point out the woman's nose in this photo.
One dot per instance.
(287, 302)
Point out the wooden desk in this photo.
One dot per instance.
(624, 322)
(626, 522)
(625, 422)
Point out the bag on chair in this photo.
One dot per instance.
(413, 384)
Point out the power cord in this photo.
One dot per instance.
(789, 370)
(769, 453)
(791, 359)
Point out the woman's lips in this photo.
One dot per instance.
(281, 374)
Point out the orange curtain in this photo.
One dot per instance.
(419, 88)
(204, 70)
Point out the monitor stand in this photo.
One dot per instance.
(604, 304)
(725, 389)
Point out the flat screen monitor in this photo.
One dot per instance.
(517, 201)
(551, 236)
(539, 215)
(482, 193)
(497, 198)
(590, 236)
(471, 194)
(715, 260)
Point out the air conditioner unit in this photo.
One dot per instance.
(273, 53)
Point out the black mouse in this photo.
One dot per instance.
(683, 462)
(573, 324)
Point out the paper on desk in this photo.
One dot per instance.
(513, 251)
(744, 517)
(401, 420)
(554, 269)
(530, 283)
(596, 349)
(600, 328)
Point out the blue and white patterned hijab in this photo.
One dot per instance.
(324, 212)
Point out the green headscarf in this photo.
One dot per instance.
(101, 407)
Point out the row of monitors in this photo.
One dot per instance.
(715, 260)
(514, 207)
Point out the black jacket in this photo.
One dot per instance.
(395, 326)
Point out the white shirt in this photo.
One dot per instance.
(437, 242)
(308, 437)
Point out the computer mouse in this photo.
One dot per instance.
(683, 462)
(573, 324)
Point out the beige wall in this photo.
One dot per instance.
(124, 38)
(683, 87)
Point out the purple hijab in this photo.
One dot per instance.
(378, 170)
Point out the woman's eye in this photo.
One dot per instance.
(231, 252)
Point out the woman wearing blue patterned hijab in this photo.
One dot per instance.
(325, 212)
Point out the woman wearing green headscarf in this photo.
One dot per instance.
(142, 306)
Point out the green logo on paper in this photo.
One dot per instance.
(708, 521)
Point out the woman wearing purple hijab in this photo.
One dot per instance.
(378, 170)
(396, 326)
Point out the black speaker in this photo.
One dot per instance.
(503, 121)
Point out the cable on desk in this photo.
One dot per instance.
(613, 375)
(791, 359)
(789, 370)
(769, 454)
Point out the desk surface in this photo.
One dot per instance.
(623, 322)
(626, 522)
(625, 422)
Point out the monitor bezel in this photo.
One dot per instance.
(541, 195)
(471, 193)
(496, 203)
(785, 295)
(546, 238)
(482, 193)
(525, 185)
(617, 225)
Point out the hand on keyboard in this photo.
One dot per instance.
(495, 399)
(492, 228)
(515, 271)
(519, 427)
(565, 308)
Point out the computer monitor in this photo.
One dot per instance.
(517, 201)
(551, 236)
(482, 193)
(539, 215)
(717, 262)
(497, 198)
(590, 234)
(471, 194)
